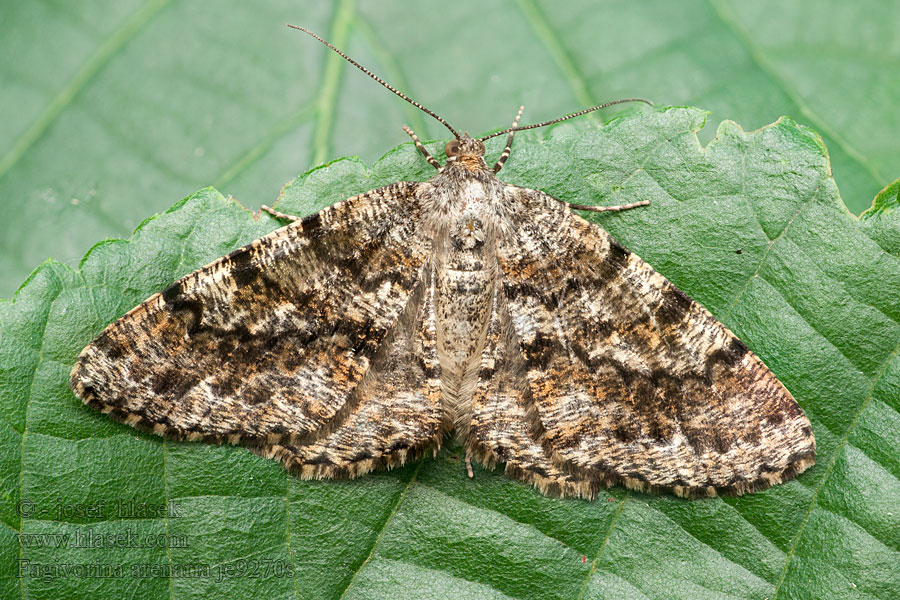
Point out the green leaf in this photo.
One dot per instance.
(751, 226)
(121, 105)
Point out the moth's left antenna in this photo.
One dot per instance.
(379, 80)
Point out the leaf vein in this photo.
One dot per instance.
(287, 526)
(502, 514)
(67, 94)
(37, 366)
(384, 526)
(331, 80)
(609, 530)
(706, 544)
(730, 21)
(817, 267)
(813, 502)
(888, 544)
(393, 71)
(552, 43)
(765, 255)
(249, 158)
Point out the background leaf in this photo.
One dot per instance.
(114, 107)
(751, 226)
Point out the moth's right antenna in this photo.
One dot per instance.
(379, 80)
(567, 117)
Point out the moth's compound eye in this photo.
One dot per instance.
(452, 148)
(481, 147)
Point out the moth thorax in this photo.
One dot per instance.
(468, 234)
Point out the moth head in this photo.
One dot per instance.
(464, 146)
(467, 152)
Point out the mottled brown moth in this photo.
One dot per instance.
(360, 336)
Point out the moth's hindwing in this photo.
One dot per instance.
(286, 342)
(599, 371)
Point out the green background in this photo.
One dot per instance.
(752, 226)
(126, 107)
(121, 106)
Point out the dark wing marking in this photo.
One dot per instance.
(505, 426)
(270, 343)
(397, 412)
(633, 381)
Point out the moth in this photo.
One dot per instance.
(359, 337)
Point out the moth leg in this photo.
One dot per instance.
(422, 149)
(279, 215)
(509, 140)
(610, 208)
(469, 470)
